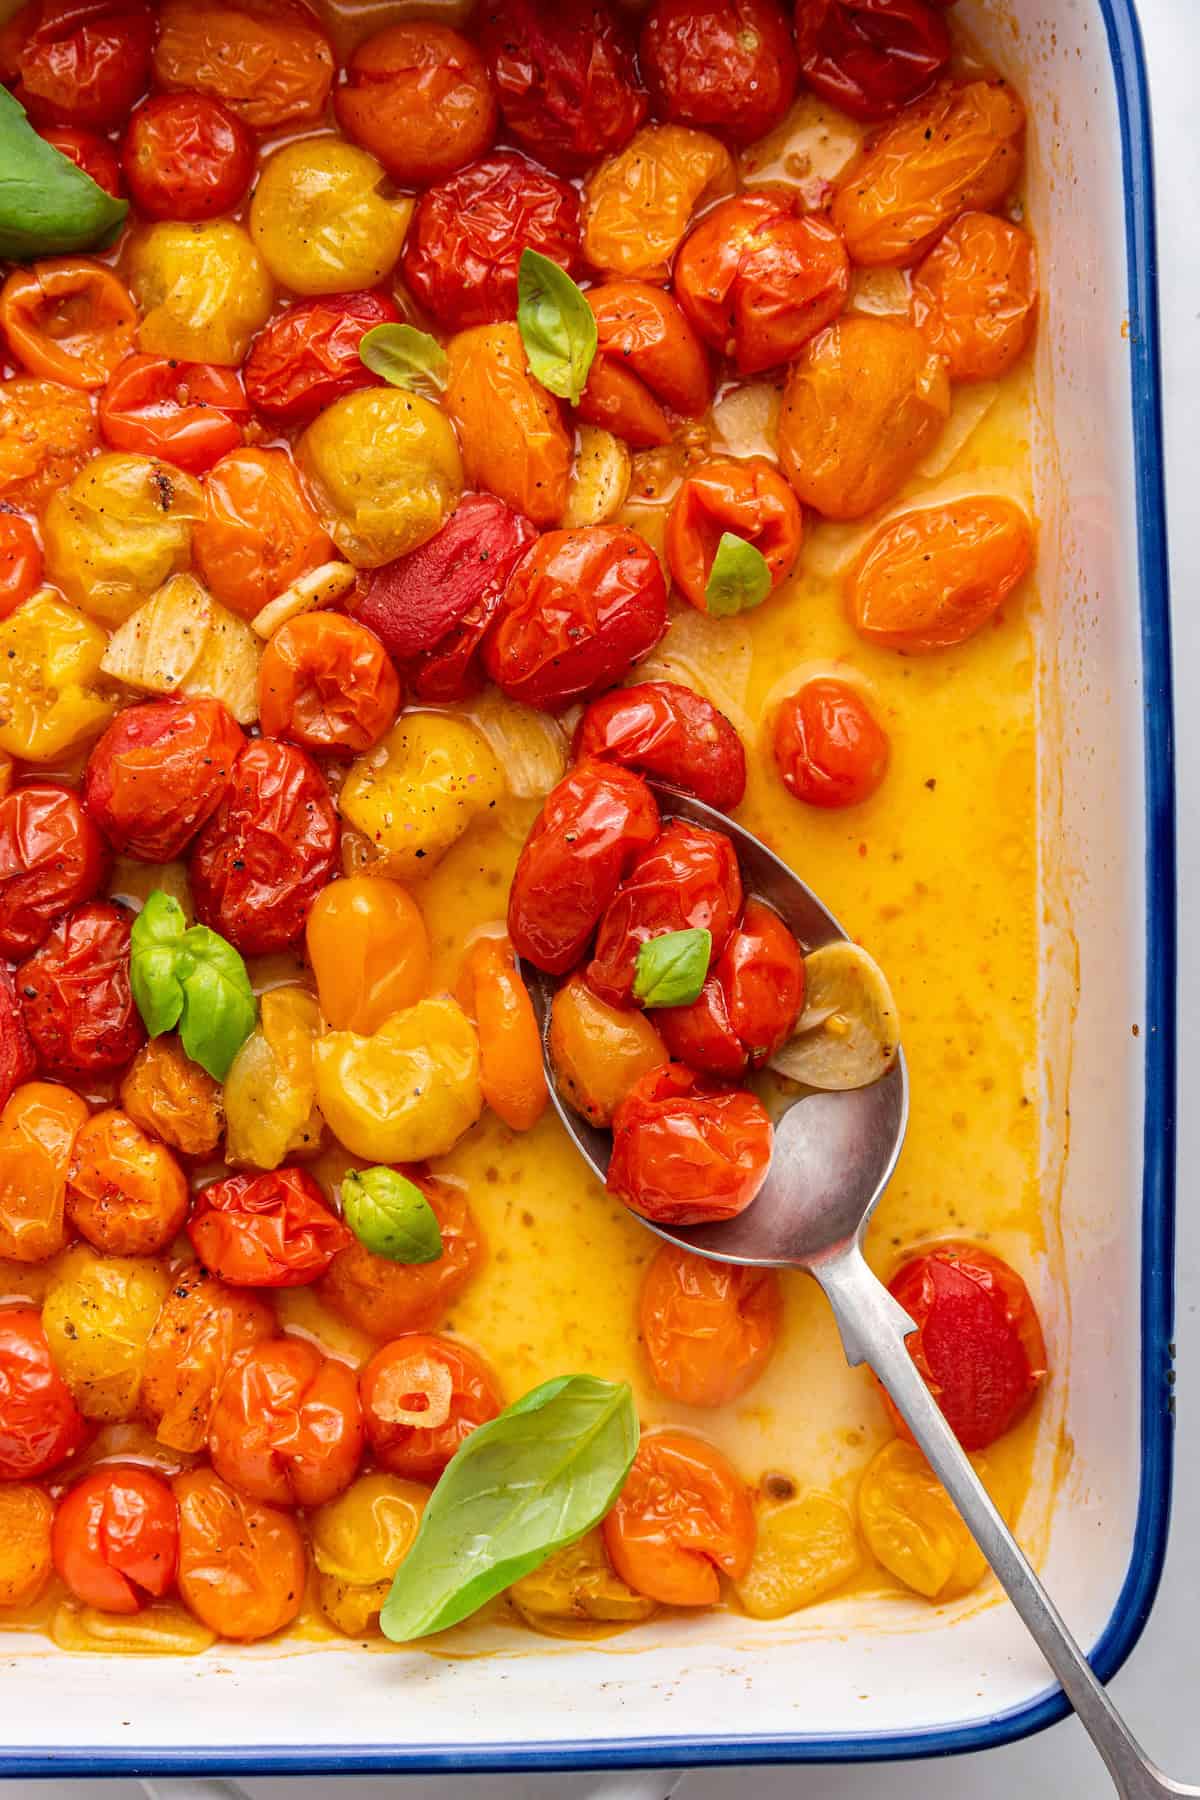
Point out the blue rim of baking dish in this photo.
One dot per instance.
(1158, 1185)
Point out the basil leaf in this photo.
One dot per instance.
(519, 1488)
(671, 968)
(558, 327)
(47, 205)
(390, 1215)
(193, 978)
(739, 578)
(406, 357)
(153, 962)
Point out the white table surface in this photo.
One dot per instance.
(1158, 1688)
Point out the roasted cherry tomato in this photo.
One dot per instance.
(268, 60)
(191, 414)
(324, 219)
(37, 1133)
(307, 357)
(287, 1426)
(69, 319)
(271, 1230)
(89, 152)
(417, 96)
(670, 732)
(510, 1044)
(830, 750)
(200, 1330)
(40, 1424)
(259, 533)
(581, 609)
(126, 1194)
(510, 427)
(648, 360)
(686, 1152)
(173, 1097)
(932, 578)
(752, 500)
(186, 156)
(638, 205)
(116, 1539)
(242, 1566)
(78, 62)
(599, 1051)
(682, 1520)
(975, 296)
(386, 1299)
(749, 1004)
(870, 57)
(202, 287)
(17, 1060)
(53, 698)
(20, 561)
(688, 880)
(467, 234)
(566, 78)
(725, 64)
(51, 857)
(26, 1565)
(326, 682)
(159, 773)
(708, 1328)
(591, 829)
(267, 851)
(978, 1342)
(75, 993)
(757, 280)
(422, 1397)
(47, 433)
(369, 951)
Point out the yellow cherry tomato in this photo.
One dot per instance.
(407, 1092)
(98, 1317)
(319, 221)
(369, 951)
(912, 1526)
(270, 1090)
(358, 1542)
(203, 291)
(804, 1550)
(637, 206)
(115, 535)
(417, 791)
(49, 669)
(26, 1514)
(575, 1588)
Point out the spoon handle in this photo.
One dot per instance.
(874, 1328)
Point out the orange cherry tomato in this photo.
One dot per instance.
(20, 561)
(708, 1328)
(930, 579)
(599, 1051)
(688, 880)
(750, 499)
(510, 429)
(510, 1044)
(686, 1152)
(69, 319)
(369, 951)
(682, 1520)
(270, 1230)
(89, 152)
(186, 157)
(386, 1299)
(47, 433)
(126, 1194)
(727, 65)
(975, 296)
(566, 78)
(115, 1539)
(648, 359)
(242, 1566)
(78, 62)
(830, 750)
(327, 683)
(158, 773)
(40, 1424)
(417, 96)
(37, 1132)
(287, 1425)
(191, 414)
(422, 1397)
(202, 1327)
(267, 60)
(258, 533)
(748, 1005)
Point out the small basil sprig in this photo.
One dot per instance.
(739, 578)
(47, 206)
(390, 1215)
(519, 1488)
(189, 976)
(558, 327)
(405, 357)
(670, 969)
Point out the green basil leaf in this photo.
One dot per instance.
(154, 946)
(558, 327)
(390, 1215)
(739, 578)
(671, 968)
(406, 357)
(193, 978)
(47, 206)
(519, 1488)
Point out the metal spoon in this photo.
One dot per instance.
(833, 1155)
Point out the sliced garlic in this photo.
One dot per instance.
(320, 587)
(227, 667)
(161, 642)
(849, 1031)
(599, 480)
(530, 746)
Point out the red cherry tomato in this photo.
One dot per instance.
(17, 1060)
(830, 749)
(648, 359)
(89, 152)
(589, 831)
(580, 610)
(565, 76)
(191, 414)
(726, 65)
(75, 993)
(271, 1230)
(115, 1539)
(685, 1152)
(327, 682)
(78, 62)
(267, 851)
(51, 857)
(978, 1341)
(749, 1004)
(159, 773)
(750, 499)
(20, 561)
(186, 156)
(688, 880)
(467, 234)
(422, 1397)
(287, 1426)
(870, 57)
(417, 96)
(708, 1328)
(672, 733)
(682, 1520)
(304, 360)
(40, 1425)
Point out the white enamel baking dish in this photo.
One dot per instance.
(867, 1678)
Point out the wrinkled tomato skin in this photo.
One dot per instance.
(287, 1426)
(51, 857)
(726, 65)
(190, 414)
(267, 851)
(708, 1328)
(17, 1060)
(687, 1152)
(185, 156)
(749, 1004)
(449, 1381)
(750, 499)
(304, 360)
(589, 832)
(702, 1035)
(386, 1299)
(242, 1566)
(327, 683)
(68, 318)
(79, 62)
(830, 750)
(89, 152)
(159, 773)
(417, 96)
(688, 880)
(20, 561)
(116, 1539)
(467, 234)
(511, 430)
(870, 57)
(202, 1327)
(978, 1342)
(649, 364)
(40, 1425)
(682, 1520)
(259, 531)
(671, 733)
(581, 609)
(271, 1230)
(565, 76)
(932, 578)
(75, 993)
(268, 61)
(975, 296)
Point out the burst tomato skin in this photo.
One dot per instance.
(749, 1004)
(116, 1539)
(78, 62)
(974, 297)
(51, 857)
(40, 1425)
(648, 360)
(270, 1230)
(417, 96)
(870, 57)
(158, 774)
(387, 1299)
(670, 732)
(725, 65)
(201, 1328)
(327, 683)
(686, 1152)
(581, 608)
(89, 152)
(268, 61)
(269, 848)
(75, 993)
(17, 1059)
(417, 1375)
(191, 414)
(688, 880)
(682, 1520)
(830, 750)
(708, 1328)
(749, 498)
(68, 318)
(186, 156)
(20, 561)
(258, 532)
(565, 76)
(241, 1565)
(287, 1426)
(304, 360)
